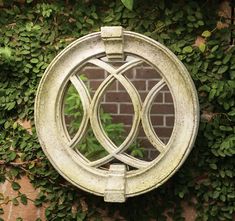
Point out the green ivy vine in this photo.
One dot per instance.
(33, 32)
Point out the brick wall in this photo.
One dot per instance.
(14, 210)
(117, 102)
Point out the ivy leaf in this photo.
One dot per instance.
(11, 105)
(222, 69)
(202, 47)
(15, 125)
(187, 49)
(231, 84)
(90, 21)
(229, 173)
(23, 199)
(15, 186)
(212, 94)
(181, 194)
(206, 34)
(214, 48)
(213, 166)
(232, 113)
(5, 52)
(34, 60)
(215, 195)
(81, 216)
(226, 128)
(128, 4)
(29, 26)
(7, 124)
(227, 58)
(12, 156)
(15, 202)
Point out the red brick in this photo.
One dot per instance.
(127, 129)
(139, 85)
(94, 84)
(158, 98)
(157, 120)
(168, 98)
(145, 144)
(152, 83)
(141, 132)
(153, 154)
(113, 86)
(93, 73)
(129, 73)
(170, 120)
(117, 97)
(110, 108)
(92, 94)
(143, 95)
(165, 89)
(162, 109)
(126, 120)
(150, 152)
(120, 87)
(147, 73)
(126, 109)
(163, 132)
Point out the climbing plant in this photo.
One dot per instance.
(33, 32)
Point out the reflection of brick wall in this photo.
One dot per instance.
(117, 102)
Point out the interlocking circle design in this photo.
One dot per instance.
(59, 146)
(94, 106)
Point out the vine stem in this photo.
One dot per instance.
(2, 162)
(21, 166)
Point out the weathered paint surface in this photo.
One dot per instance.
(57, 144)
